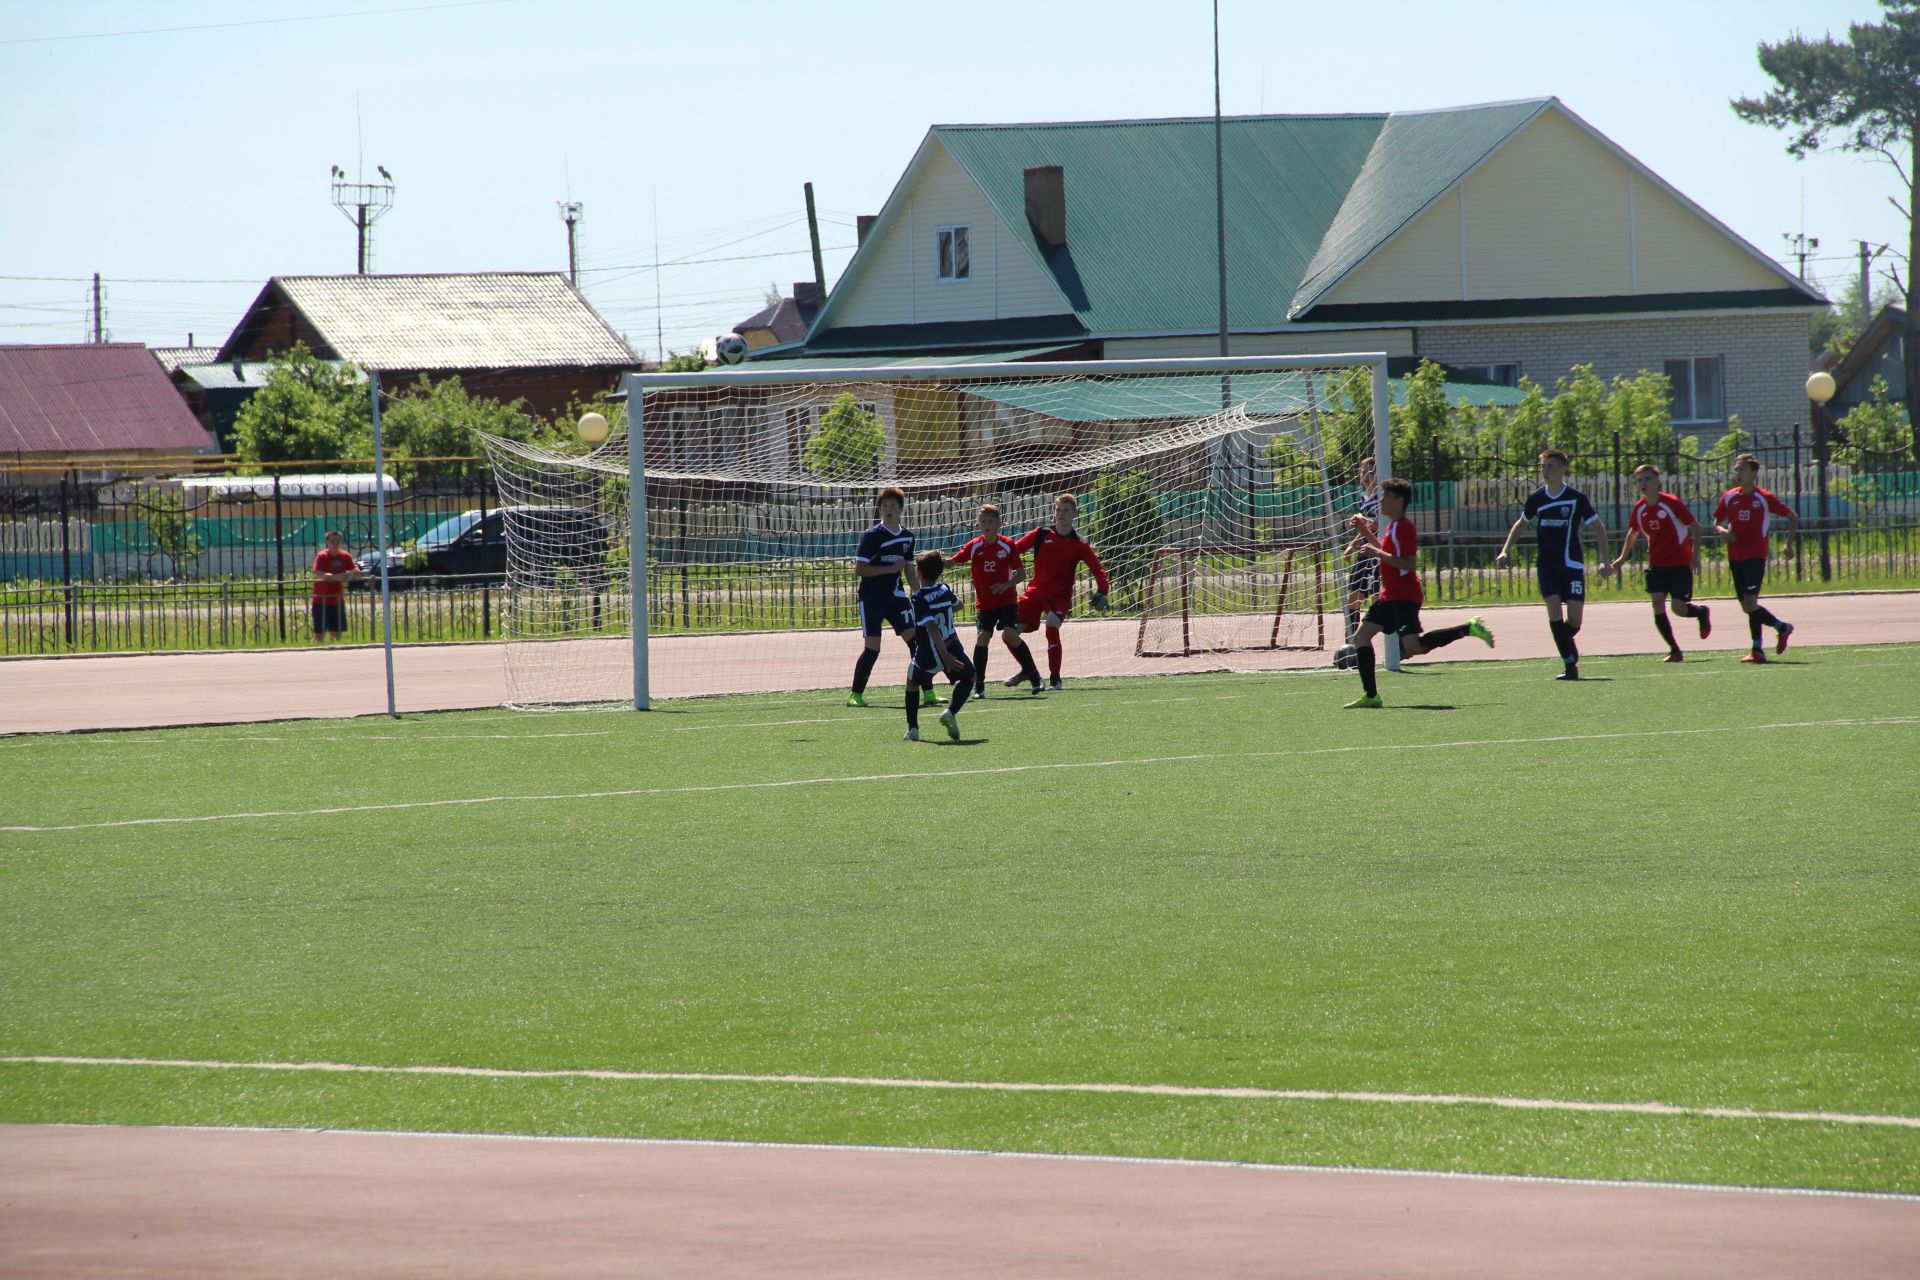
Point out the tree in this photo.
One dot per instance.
(1874, 430)
(684, 362)
(847, 444)
(437, 420)
(170, 524)
(310, 410)
(1841, 325)
(1861, 94)
(1422, 422)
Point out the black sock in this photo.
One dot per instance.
(1431, 640)
(1365, 654)
(1025, 655)
(1664, 626)
(1573, 650)
(1753, 627)
(863, 668)
(1562, 640)
(962, 689)
(980, 654)
(1766, 617)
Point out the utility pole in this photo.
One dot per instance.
(1801, 244)
(1219, 181)
(363, 203)
(1866, 285)
(96, 308)
(813, 233)
(570, 214)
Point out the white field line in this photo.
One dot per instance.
(1236, 1092)
(925, 774)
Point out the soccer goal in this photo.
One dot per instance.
(706, 549)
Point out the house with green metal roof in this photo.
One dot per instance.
(1500, 240)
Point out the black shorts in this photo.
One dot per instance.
(329, 617)
(1006, 618)
(1395, 617)
(897, 610)
(1570, 584)
(1674, 580)
(1747, 575)
(927, 662)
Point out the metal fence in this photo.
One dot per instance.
(139, 561)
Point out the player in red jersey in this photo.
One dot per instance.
(997, 571)
(1744, 515)
(1673, 555)
(1058, 551)
(1397, 611)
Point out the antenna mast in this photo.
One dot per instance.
(363, 203)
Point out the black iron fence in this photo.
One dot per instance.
(139, 561)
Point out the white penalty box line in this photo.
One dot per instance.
(923, 774)
(1221, 1092)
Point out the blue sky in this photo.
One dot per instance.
(188, 166)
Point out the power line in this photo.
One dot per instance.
(253, 22)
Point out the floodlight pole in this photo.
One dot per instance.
(637, 540)
(380, 520)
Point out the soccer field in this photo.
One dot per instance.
(1692, 886)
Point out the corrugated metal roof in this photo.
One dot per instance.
(1140, 255)
(172, 358)
(1181, 396)
(92, 398)
(1417, 157)
(249, 375)
(494, 320)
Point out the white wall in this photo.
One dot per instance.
(897, 284)
(1554, 214)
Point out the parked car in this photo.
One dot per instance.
(552, 545)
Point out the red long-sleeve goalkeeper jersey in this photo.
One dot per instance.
(1055, 558)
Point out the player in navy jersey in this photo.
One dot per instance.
(938, 646)
(1560, 516)
(1397, 612)
(884, 565)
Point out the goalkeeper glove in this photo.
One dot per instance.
(1099, 600)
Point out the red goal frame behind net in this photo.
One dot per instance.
(1187, 557)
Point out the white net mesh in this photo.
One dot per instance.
(1215, 501)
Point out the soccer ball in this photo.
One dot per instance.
(731, 349)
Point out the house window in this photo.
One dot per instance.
(1699, 389)
(1500, 375)
(951, 259)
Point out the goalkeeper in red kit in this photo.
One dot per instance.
(1058, 552)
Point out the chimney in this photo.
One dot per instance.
(861, 225)
(1047, 203)
(806, 293)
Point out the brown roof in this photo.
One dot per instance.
(92, 398)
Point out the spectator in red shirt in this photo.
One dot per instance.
(1058, 552)
(1743, 517)
(333, 569)
(997, 571)
(1673, 555)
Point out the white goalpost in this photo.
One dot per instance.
(706, 549)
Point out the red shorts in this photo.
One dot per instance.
(1034, 608)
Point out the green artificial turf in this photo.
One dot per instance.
(1500, 885)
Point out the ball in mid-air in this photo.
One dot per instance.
(593, 428)
(732, 349)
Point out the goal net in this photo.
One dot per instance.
(1214, 494)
